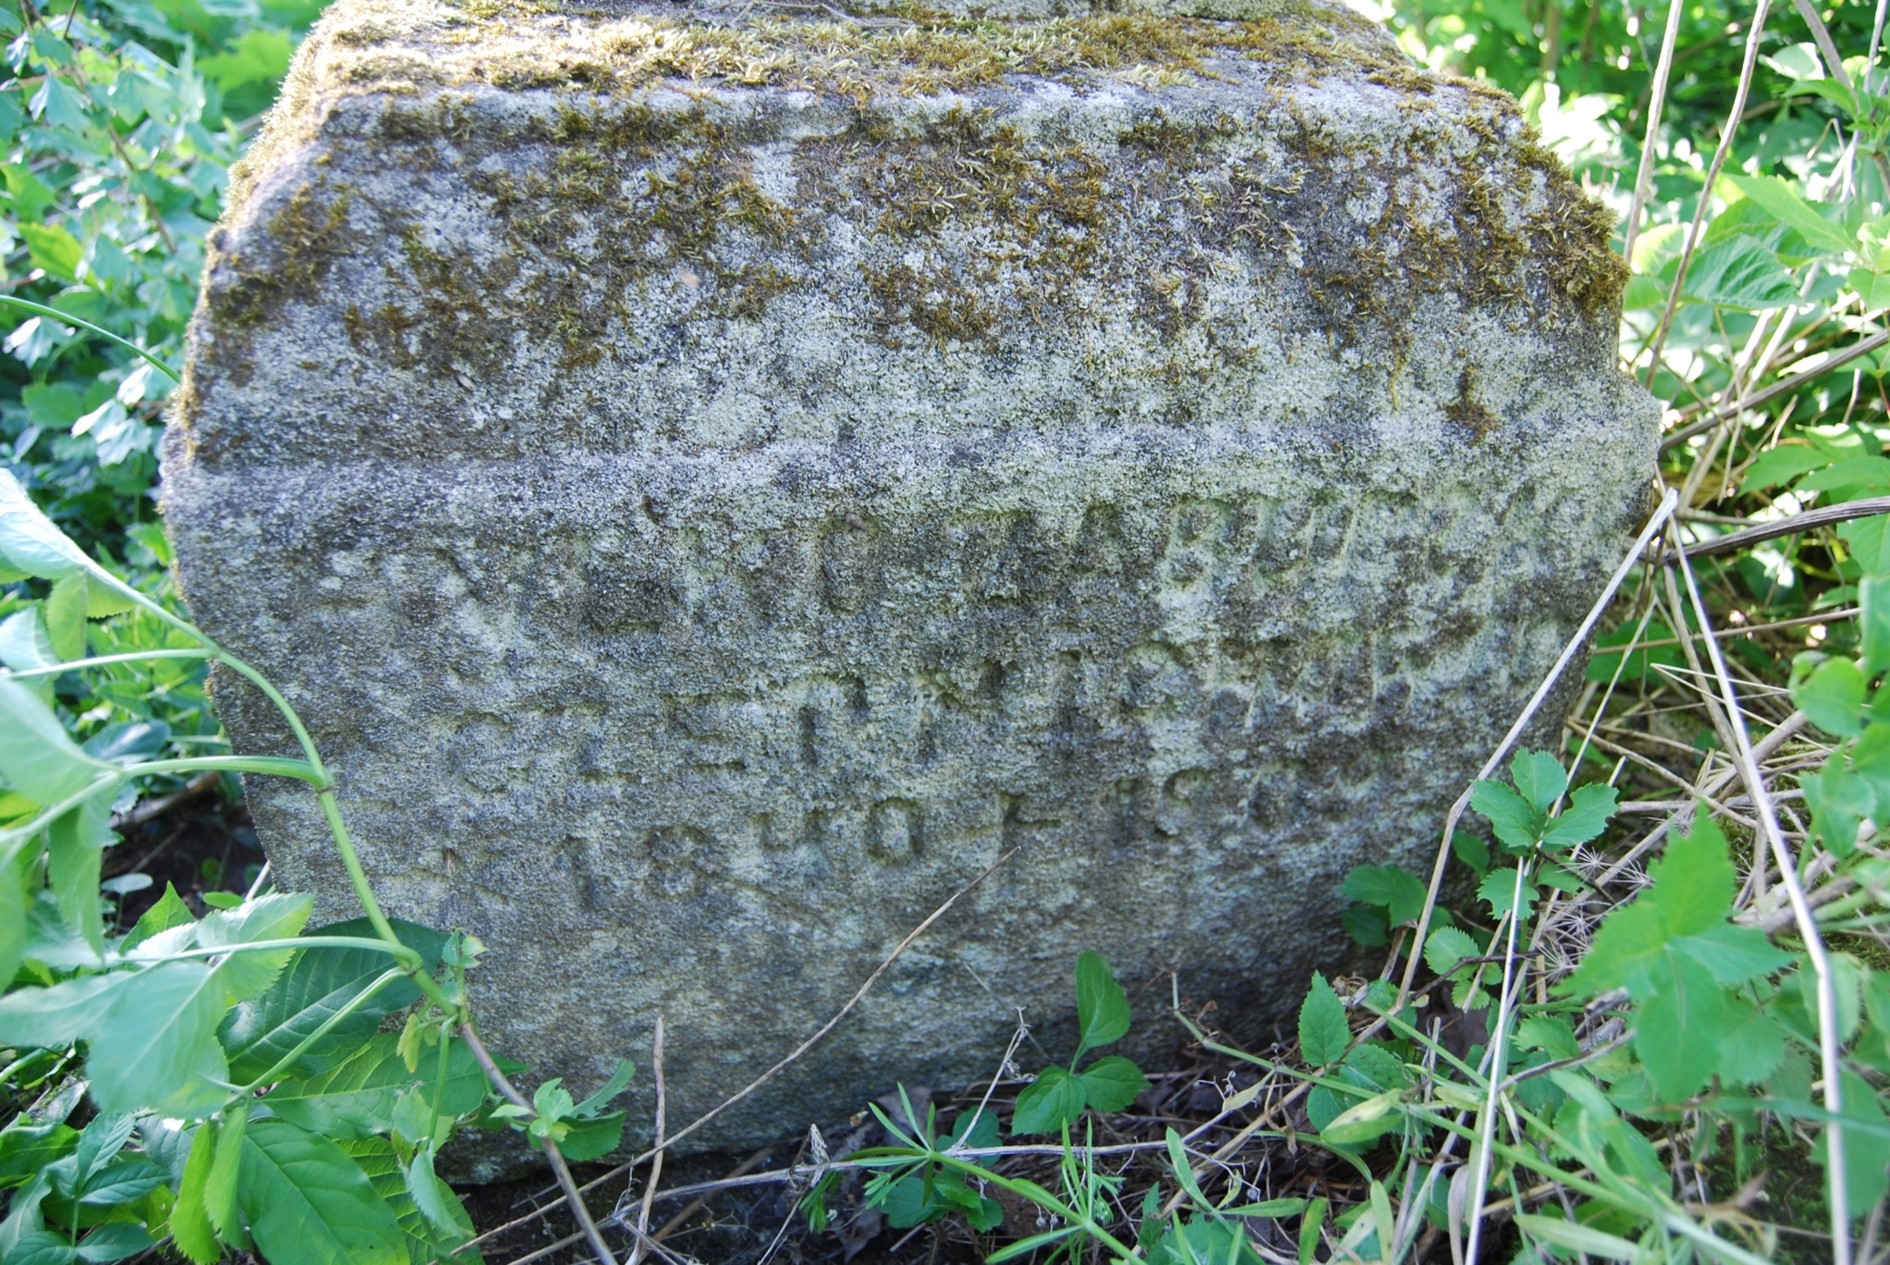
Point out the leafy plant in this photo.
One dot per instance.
(1058, 1097)
(239, 1090)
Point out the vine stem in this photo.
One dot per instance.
(550, 1148)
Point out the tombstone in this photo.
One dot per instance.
(715, 483)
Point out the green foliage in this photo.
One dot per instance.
(1058, 1097)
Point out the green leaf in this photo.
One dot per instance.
(65, 617)
(388, 1176)
(226, 1170)
(278, 916)
(1733, 955)
(1577, 1237)
(1323, 1032)
(55, 1017)
(170, 911)
(1102, 1008)
(1501, 889)
(1400, 893)
(1514, 822)
(1751, 1045)
(16, 899)
(1873, 594)
(592, 1138)
(618, 1082)
(190, 1226)
(24, 645)
(155, 1048)
(354, 1098)
(1869, 540)
(1549, 1033)
(1446, 947)
(114, 1241)
(59, 104)
(1048, 1103)
(308, 1203)
(314, 987)
(75, 852)
(37, 759)
(1784, 462)
(1111, 1084)
(435, 1199)
(1739, 273)
(1586, 816)
(1683, 1005)
(1850, 478)
(29, 543)
(1539, 779)
(1786, 205)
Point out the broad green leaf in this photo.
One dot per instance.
(1850, 479)
(1048, 1103)
(1586, 816)
(1873, 624)
(169, 912)
(16, 898)
(308, 1203)
(29, 543)
(315, 986)
(592, 1138)
(1788, 207)
(1446, 947)
(619, 1080)
(1869, 539)
(1739, 273)
(1694, 880)
(1733, 955)
(155, 1048)
(436, 1200)
(1865, 1178)
(27, 1149)
(1549, 1033)
(65, 617)
(1784, 462)
(1102, 1008)
(1516, 825)
(25, 646)
(226, 1171)
(103, 1138)
(1400, 893)
(37, 759)
(114, 1241)
(278, 916)
(1539, 779)
(355, 1097)
(1323, 1031)
(42, 1247)
(1501, 889)
(1111, 1084)
(1751, 1045)
(75, 851)
(1683, 1004)
(190, 1226)
(388, 1176)
(50, 1018)
(1363, 1121)
(121, 1183)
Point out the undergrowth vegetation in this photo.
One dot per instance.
(1640, 1011)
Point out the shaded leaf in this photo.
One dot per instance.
(1048, 1103)
(308, 1203)
(1102, 1008)
(1323, 1032)
(1111, 1084)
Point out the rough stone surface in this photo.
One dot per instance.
(714, 486)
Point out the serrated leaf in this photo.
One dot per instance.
(1111, 1084)
(65, 617)
(1323, 1032)
(1539, 778)
(1549, 1033)
(50, 1018)
(1751, 1046)
(167, 913)
(190, 1226)
(155, 1048)
(436, 1201)
(75, 853)
(1733, 955)
(1739, 273)
(592, 1138)
(1586, 816)
(226, 1170)
(1102, 1007)
(277, 916)
(308, 1203)
(314, 986)
(1694, 880)
(388, 1176)
(1833, 697)
(355, 1097)
(1516, 825)
(1788, 207)
(37, 759)
(1400, 893)
(1446, 947)
(1683, 1002)
(29, 543)
(1501, 889)
(1048, 1103)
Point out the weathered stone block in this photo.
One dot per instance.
(714, 487)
